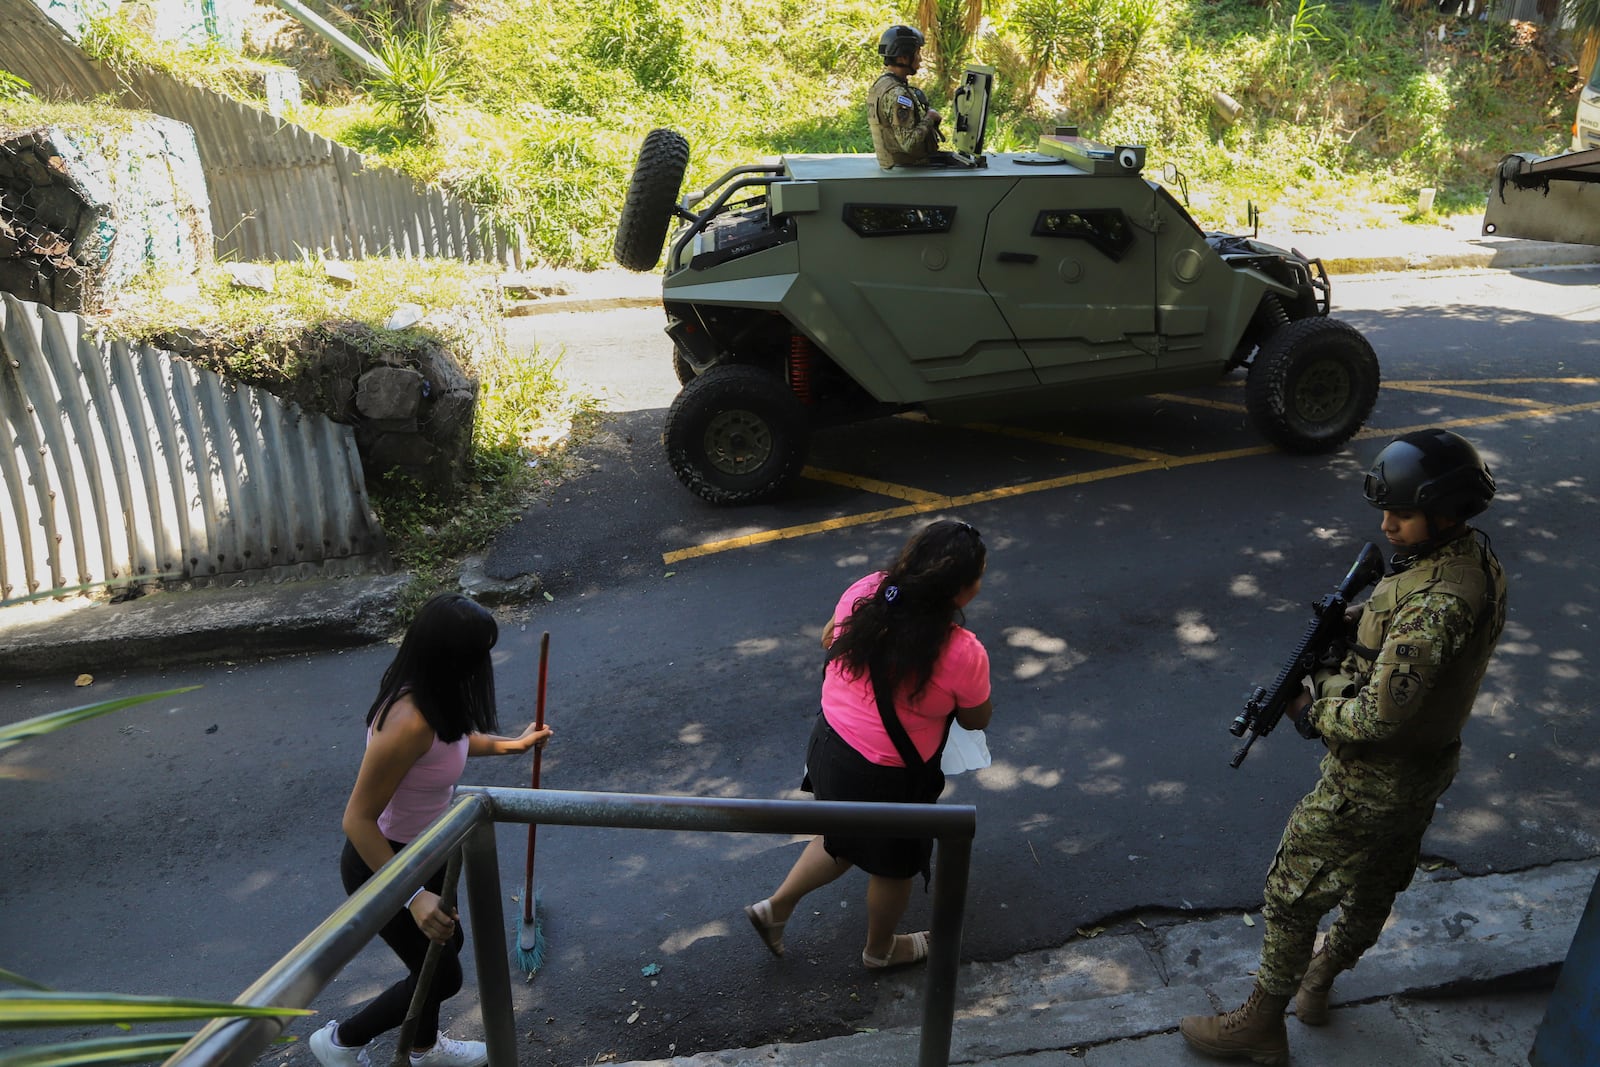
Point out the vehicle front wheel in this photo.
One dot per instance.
(652, 196)
(736, 435)
(1312, 384)
(682, 368)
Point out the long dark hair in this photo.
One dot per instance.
(444, 664)
(902, 628)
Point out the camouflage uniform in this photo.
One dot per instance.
(1392, 725)
(903, 135)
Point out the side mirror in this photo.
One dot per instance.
(1173, 176)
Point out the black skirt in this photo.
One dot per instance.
(835, 771)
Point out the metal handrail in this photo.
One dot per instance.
(296, 979)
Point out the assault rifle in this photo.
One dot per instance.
(1265, 707)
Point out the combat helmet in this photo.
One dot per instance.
(1435, 472)
(899, 41)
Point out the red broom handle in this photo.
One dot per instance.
(538, 723)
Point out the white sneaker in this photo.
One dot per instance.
(448, 1052)
(330, 1053)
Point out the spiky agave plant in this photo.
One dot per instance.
(424, 76)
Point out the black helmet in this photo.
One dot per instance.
(1435, 472)
(899, 41)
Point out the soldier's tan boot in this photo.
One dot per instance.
(1311, 1002)
(1253, 1031)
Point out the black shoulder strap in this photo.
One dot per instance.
(897, 729)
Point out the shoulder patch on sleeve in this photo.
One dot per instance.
(904, 101)
(1404, 687)
(1407, 651)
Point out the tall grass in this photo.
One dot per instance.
(1346, 108)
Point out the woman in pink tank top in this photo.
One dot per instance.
(435, 707)
(895, 633)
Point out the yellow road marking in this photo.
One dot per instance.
(871, 485)
(1197, 402)
(1502, 381)
(934, 502)
(1460, 394)
(1483, 420)
(1050, 437)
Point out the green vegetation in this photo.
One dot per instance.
(13, 87)
(423, 77)
(1348, 107)
(534, 109)
(124, 40)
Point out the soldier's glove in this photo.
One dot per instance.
(1333, 683)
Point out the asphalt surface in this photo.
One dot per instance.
(1031, 1007)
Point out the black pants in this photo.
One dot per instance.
(387, 1011)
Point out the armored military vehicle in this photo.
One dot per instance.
(819, 289)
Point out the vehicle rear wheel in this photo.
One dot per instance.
(736, 435)
(652, 196)
(1312, 384)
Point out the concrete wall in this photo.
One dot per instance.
(82, 211)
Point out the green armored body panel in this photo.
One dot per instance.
(824, 288)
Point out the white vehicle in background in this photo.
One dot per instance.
(1586, 125)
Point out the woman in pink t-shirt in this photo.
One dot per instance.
(435, 707)
(898, 632)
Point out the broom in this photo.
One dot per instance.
(530, 931)
(430, 963)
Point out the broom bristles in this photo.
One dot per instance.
(530, 940)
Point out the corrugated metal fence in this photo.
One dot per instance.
(122, 463)
(277, 191)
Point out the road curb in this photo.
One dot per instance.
(198, 627)
(1510, 256)
(1449, 936)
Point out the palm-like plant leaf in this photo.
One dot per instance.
(60, 720)
(125, 1048)
(13, 978)
(24, 1008)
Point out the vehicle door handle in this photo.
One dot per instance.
(1018, 257)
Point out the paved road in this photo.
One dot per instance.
(1150, 562)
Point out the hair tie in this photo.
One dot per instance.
(890, 592)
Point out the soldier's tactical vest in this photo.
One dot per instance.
(883, 143)
(1465, 569)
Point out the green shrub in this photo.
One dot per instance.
(424, 77)
(13, 87)
(638, 37)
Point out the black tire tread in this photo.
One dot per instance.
(652, 195)
(720, 388)
(1278, 361)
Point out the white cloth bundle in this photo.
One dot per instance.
(967, 750)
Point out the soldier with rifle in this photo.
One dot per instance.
(1390, 714)
(905, 130)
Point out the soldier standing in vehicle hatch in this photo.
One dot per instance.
(1391, 715)
(905, 130)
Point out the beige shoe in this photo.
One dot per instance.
(1311, 1002)
(903, 950)
(1253, 1031)
(760, 916)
